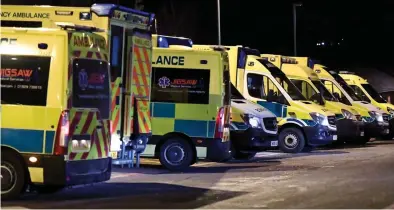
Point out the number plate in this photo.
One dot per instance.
(362, 133)
(335, 137)
(274, 143)
(114, 155)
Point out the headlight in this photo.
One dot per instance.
(252, 121)
(348, 115)
(319, 118)
(377, 116)
(390, 110)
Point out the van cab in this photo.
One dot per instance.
(349, 124)
(370, 114)
(368, 93)
(303, 125)
(253, 128)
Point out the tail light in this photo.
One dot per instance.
(62, 134)
(219, 126)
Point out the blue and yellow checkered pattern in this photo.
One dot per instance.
(194, 120)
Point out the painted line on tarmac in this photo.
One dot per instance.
(123, 175)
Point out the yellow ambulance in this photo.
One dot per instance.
(128, 38)
(350, 126)
(367, 93)
(55, 109)
(375, 126)
(303, 125)
(190, 104)
(253, 127)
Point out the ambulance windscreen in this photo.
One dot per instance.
(91, 85)
(345, 86)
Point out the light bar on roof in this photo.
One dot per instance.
(166, 41)
(108, 10)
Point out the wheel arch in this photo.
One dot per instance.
(168, 136)
(18, 155)
(294, 125)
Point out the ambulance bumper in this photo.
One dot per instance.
(59, 172)
(218, 150)
(253, 139)
(347, 128)
(320, 135)
(377, 129)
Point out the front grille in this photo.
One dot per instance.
(331, 120)
(386, 117)
(270, 123)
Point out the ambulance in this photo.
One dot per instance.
(128, 37)
(368, 93)
(253, 128)
(375, 126)
(55, 109)
(190, 104)
(303, 125)
(350, 126)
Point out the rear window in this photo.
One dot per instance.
(177, 85)
(91, 85)
(24, 80)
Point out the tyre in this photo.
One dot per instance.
(47, 189)
(176, 154)
(13, 176)
(291, 140)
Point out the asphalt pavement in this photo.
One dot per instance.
(348, 177)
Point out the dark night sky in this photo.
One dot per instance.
(366, 28)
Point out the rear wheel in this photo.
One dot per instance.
(176, 154)
(13, 176)
(291, 140)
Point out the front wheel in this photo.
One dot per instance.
(176, 154)
(291, 140)
(13, 176)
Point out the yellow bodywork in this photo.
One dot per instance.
(333, 86)
(31, 129)
(298, 111)
(307, 75)
(355, 80)
(178, 112)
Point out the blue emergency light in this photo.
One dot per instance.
(166, 41)
(243, 52)
(107, 10)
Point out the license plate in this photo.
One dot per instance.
(114, 155)
(362, 133)
(274, 143)
(335, 137)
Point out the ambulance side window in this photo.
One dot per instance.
(259, 86)
(24, 80)
(179, 85)
(336, 92)
(116, 51)
(360, 93)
